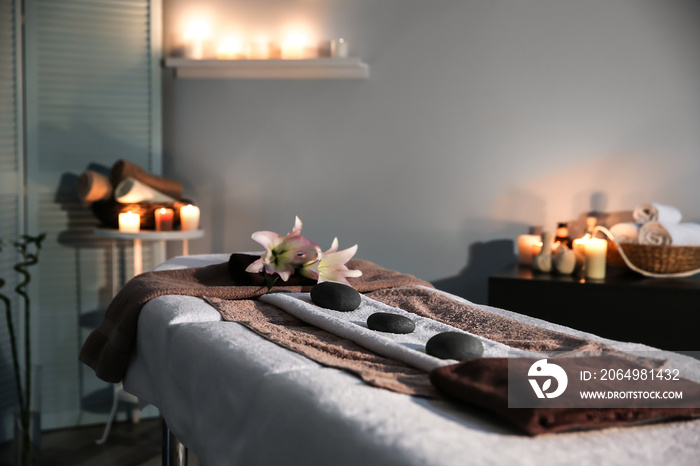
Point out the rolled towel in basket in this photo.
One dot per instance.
(670, 234)
(626, 232)
(93, 186)
(654, 212)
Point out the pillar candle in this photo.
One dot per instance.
(129, 222)
(526, 249)
(164, 219)
(189, 217)
(579, 247)
(595, 249)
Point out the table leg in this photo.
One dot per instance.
(138, 257)
(115, 268)
(185, 247)
(158, 252)
(173, 452)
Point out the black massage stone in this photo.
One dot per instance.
(335, 296)
(390, 323)
(454, 345)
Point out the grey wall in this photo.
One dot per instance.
(480, 118)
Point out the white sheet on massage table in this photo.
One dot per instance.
(233, 397)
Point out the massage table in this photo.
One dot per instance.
(233, 397)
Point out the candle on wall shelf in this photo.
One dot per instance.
(231, 48)
(189, 217)
(164, 219)
(196, 39)
(259, 50)
(579, 247)
(339, 48)
(526, 248)
(129, 222)
(595, 250)
(296, 46)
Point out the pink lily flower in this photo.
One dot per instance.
(330, 266)
(283, 253)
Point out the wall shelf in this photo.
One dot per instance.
(317, 68)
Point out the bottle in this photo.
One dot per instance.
(562, 235)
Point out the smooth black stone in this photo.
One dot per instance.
(336, 296)
(390, 323)
(454, 345)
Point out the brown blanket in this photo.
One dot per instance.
(108, 348)
(485, 383)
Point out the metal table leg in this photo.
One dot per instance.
(173, 452)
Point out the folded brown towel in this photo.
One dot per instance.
(485, 383)
(108, 348)
(123, 169)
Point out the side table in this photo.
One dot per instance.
(159, 238)
(659, 312)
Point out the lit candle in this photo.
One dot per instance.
(258, 50)
(196, 38)
(164, 219)
(595, 250)
(230, 48)
(525, 248)
(189, 217)
(579, 247)
(129, 222)
(537, 247)
(296, 46)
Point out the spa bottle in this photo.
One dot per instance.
(562, 235)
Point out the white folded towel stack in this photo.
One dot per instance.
(626, 232)
(670, 234)
(654, 212)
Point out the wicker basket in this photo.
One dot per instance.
(656, 259)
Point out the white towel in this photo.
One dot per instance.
(408, 348)
(626, 232)
(131, 191)
(670, 234)
(654, 212)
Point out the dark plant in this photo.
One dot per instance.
(28, 248)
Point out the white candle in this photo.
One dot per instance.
(579, 247)
(297, 46)
(164, 219)
(189, 217)
(259, 50)
(526, 248)
(129, 222)
(230, 48)
(595, 249)
(339, 48)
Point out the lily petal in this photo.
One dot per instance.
(256, 266)
(267, 239)
(297, 226)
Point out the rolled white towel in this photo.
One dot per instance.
(132, 191)
(654, 212)
(670, 234)
(626, 232)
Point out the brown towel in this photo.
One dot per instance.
(108, 348)
(485, 383)
(325, 348)
(93, 186)
(510, 332)
(123, 169)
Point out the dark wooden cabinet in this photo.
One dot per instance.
(664, 313)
